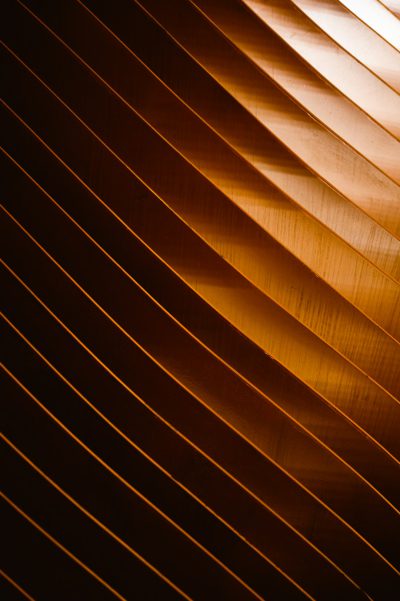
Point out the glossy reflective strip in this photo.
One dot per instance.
(336, 163)
(346, 75)
(355, 37)
(247, 137)
(375, 15)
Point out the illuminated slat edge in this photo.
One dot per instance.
(330, 454)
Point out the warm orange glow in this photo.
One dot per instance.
(201, 266)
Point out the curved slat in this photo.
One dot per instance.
(377, 17)
(252, 141)
(201, 299)
(225, 447)
(180, 309)
(346, 171)
(355, 37)
(263, 340)
(98, 509)
(346, 76)
(236, 179)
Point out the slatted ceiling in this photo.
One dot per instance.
(347, 78)
(369, 49)
(247, 137)
(168, 334)
(206, 318)
(234, 316)
(253, 428)
(326, 155)
(231, 468)
(378, 18)
(242, 175)
(223, 497)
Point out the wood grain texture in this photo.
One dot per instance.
(201, 317)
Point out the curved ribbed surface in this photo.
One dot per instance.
(201, 217)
